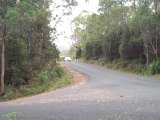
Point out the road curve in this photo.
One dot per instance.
(106, 95)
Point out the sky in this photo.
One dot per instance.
(63, 41)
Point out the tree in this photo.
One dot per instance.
(25, 27)
(126, 29)
(78, 53)
(3, 6)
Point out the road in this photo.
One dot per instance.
(106, 95)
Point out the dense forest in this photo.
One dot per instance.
(25, 36)
(123, 32)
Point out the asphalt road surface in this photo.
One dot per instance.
(106, 95)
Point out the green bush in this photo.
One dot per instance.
(97, 50)
(154, 68)
(11, 116)
(66, 80)
(49, 74)
(121, 63)
(45, 80)
(9, 93)
(93, 50)
(88, 51)
(132, 66)
(79, 53)
(34, 90)
(60, 71)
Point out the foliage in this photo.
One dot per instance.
(154, 68)
(10, 93)
(29, 45)
(78, 53)
(88, 50)
(125, 31)
(93, 50)
(49, 74)
(11, 116)
(45, 80)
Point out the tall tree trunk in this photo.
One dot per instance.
(134, 4)
(110, 45)
(4, 38)
(156, 47)
(147, 55)
(156, 6)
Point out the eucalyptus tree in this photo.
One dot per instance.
(148, 25)
(3, 7)
(25, 25)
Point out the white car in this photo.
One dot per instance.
(67, 59)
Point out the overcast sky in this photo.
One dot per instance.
(64, 41)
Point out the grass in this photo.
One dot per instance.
(109, 119)
(10, 116)
(156, 76)
(45, 80)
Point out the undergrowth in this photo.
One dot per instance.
(10, 116)
(131, 67)
(45, 80)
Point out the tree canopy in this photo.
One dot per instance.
(26, 39)
(126, 30)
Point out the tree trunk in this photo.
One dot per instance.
(4, 38)
(156, 47)
(156, 6)
(147, 55)
(134, 4)
(110, 44)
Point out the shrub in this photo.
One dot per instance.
(88, 51)
(154, 68)
(139, 68)
(11, 116)
(93, 50)
(97, 51)
(50, 74)
(78, 53)
(44, 80)
(60, 72)
(9, 93)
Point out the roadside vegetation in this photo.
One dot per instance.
(10, 116)
(27, 47)
(122, 35)
(25, 36)
(51, 77)
(134, 68)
